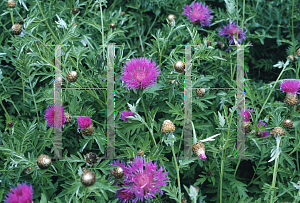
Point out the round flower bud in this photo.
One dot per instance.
(43, 161)
(75, 10)
(88, 178)
(168, 127)
(140, 153)
(11, 4)
(171, 17)
(287, 123)
(72, 76)
(179, 66)
(118, 172)
(112, 25)
(278, 131)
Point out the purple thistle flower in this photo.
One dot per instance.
(290, 86)
(124, 195)
(52, 121)
(84, 121)
(247, 115)
(140, 73)
(260, 125)
(21, 194)
(125, 114)
(231, 31)
(144, 180)
(199, 12)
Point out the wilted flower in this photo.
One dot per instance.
(84, 121)
(21, 194)
(140, 73)
(125, 114)
(199, 12)
(260, 125)
(230, 31)
(52, 121)
(290, 86)
(144, 180)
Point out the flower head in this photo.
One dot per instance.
(199, 12)
(84, 121)
(140, 73)
(260, 125)
(124, 195)
(247, 114)
(53, 114)
(290, 86)
(125, 114)
(123, 166)
(144, 180)
(21, 194)
(231, 31)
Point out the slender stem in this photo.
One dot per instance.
(11, 16)
(259, 177)
(146, 117)
(102, 28)
(272, 90)
(221, 179)
(293, 28)
(177, 171)
(237, 166)
(243, 15)
(297, 155)
(37, 113)
(275, 171)
(45, 141)
(141, 39)
(151, 26)
(4, 108)
(85, 195)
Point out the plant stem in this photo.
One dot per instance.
(144, 108)
(275, 171)
(4, 108)
(221, 179)
(37, 113)
(45, 142)
(102, 28)
(59, 175)
(293, 29)
(177, 171)
(271, 90)
(236, 168)
(85, 195)
(297, 155)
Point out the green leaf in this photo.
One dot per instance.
(43, 199)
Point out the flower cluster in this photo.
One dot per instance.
(21, 194)
(142, 180)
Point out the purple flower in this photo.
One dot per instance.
(247, 115)
(290, 86)
(84, 121)
(125, 114)
(54, 122)
(202, 156)
(21, 194)
(199, 12)
(231, 31)
(260, 125)
(124, 195)
(144, 180)
(140, 73)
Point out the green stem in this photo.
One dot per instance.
(293, 28)
(221, 179)
(237, 166)
(297, 155)
(146, 117)
(177, 171)
(85, 195)
(272, 90)
(37, 113)
(102, 28)
(11, 16)
(4, 108)
(275, 171)
(45, 141)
